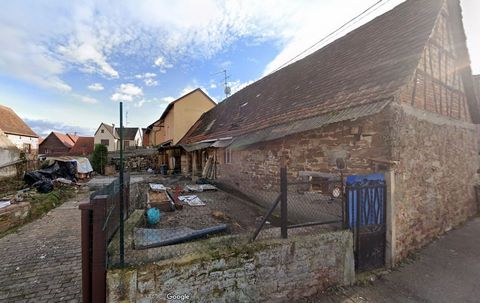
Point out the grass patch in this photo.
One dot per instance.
(43, 203)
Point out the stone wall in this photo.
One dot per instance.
(435, 176)
(273, 270)
(361, 143)
(13, 215)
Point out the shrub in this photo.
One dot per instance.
(99, 158)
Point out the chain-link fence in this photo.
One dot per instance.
(171, 216)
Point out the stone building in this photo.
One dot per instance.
(175, 121)
(394, 97)
(18, 132)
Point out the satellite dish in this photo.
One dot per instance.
(227, 90)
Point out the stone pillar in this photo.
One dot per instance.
(390, 249)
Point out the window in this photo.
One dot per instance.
(27, 147)
(102, 131)
(126, 143)
(228, 156)
(105, 142)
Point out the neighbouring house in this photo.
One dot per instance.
(173, 124)
(9, 154)
(106, 135)
(109, 136)
(394, 97)
(83, 146)
(132, 137)
(57, 144)
(18, 132)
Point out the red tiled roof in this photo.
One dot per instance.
(73, 137)
(82, 146)
(11, 123)
(369, 64)
(65, 139)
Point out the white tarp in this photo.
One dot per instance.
(4, 203)
(157, 187)
(83, 165)
(191, 200)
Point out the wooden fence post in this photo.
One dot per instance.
(99, 249)
(86, 225)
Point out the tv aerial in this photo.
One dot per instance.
(226, 89)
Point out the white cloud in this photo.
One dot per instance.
(161, 101)
(150, 82)
(84, 99)
(95, 87)
(89, 100)
(145, 75)
(162, 63)
(127, 92)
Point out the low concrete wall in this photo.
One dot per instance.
(13, 215)
(273, 270)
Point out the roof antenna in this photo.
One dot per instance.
(126, 117)
(226, 89)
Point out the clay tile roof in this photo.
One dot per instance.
(65, 139)
(370, 63)
(82, 146)
(11, 123)
(128, 132)
(74, 138)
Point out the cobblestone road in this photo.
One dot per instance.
(41, 262)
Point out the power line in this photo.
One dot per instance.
(334, 32)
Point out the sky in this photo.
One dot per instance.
(66, 65)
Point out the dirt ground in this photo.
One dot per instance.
(221, 208)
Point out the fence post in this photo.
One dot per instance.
(86, 226)
(98, 249)
(283, 199)
(122, 201)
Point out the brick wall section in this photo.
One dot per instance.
(264, 271)
(435, 177)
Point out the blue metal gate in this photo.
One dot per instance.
(366, 216)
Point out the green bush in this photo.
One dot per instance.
(99, 158)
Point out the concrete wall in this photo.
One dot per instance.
(435, 177)
(19, 141)
(264, 271)
(13, 215)
(8, 155)
(106, 135)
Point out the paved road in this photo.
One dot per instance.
(41, 262)
(447, 270)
